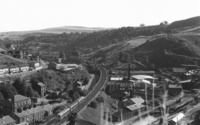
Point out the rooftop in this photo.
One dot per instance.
(143, 81)
(178, 117)
(135, 106)
(142, 72)
(6, 120)
(47, 107)
(142, 77)
(179, 70)
(132, 101)
(34, 110)
(20, 98)
(41, 84)
(185, 81)
(174, 86)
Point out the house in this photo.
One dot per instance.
(42, 88)
(35, 64)
(179, 72)
(130, 108)
(30, 115)
(24, 67)
(174, 89)
(115, 78)
(33, 115)
(16, 53)
(16, 104)
(119, 85)
(48, 108)
(132, 101)
(4, 70)
(14, 69)
(144, 78)
(62, 67)
(7, 120)
(176, 119)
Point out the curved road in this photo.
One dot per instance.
(99, 85)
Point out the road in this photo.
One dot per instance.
(88, 98)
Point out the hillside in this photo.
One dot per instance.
(19, 35)
(187, 23)
(159, 50)
(6, 59)
(147, 46)
(87, 42)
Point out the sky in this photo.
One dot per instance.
(22, 15)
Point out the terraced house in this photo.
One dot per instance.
(16, 104)
(33, 115)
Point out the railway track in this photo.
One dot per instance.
(88, 98)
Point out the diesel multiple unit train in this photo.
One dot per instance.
(68, 110)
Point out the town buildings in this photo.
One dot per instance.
(21, 111)
(40, 88)
(63, 67)
(16, 104)
(129, 108)
(35, 64)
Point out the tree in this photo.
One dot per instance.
(7, 90)
(20, 86)
(141, 25)
(30, 92)
(100, 99)
(72, 118)
(164, 23)
(85, 81)
(1, 96)
(93, 104)
(24, 88)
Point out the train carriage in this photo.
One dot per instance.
(73, 106)
(63, 113)
(80, 100)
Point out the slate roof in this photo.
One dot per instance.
(6, 120)
(135, 107)
(142, 77)
(132, 101)
(179, 70)
(142, 72)
(20, 98)
(34, 110)
(174, 86)
(47, 107)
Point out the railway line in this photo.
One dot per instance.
(77, 106)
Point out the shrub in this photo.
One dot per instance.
(93, 104)
(100, 99)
